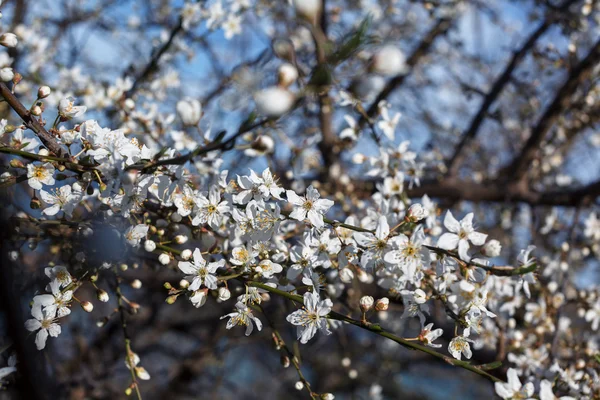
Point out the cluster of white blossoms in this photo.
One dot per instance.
(267, 238)
(283, 240)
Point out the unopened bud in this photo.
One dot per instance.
(164, 259)
(287, 75)
(102, 295)
(327, 396)
(36, 110)
(168, 286)
(171, 299)
(149, 245)
(184, 284)
(186, 254)
(299, 385)
(16, 163)
(35, 203)
(346, 275)
(308, 9)
(43, 92)
(136, 284)
(382, 304)
(224, 294)
(285, 361)
(416, 212)
(181, 239)
(6, 74)
(366, 303)
(492, 248)
(9, 40)
(87, 306)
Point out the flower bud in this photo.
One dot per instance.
(15, 163)
(299, 385)
(35, 203)
(164, 259)
(149, 245)
(287, 75)
(366, 303)
(87, 306)
(7, 74)
(492, 248)
(420, 296)
(9, 40)
(181, 239)
(184, 284)
(136, 284)
(36, 110)
(346, 275)
(224, 294)
(416, 212)
(102, 295)
(199, 298)
(388, 61)
(186, 254)
(190, 111)
(327, 396)
(308, 9)
(382, 304)
(285, 361)
(43, 92)
(167, 286)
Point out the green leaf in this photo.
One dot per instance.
(354, 42)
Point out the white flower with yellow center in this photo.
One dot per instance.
(460, 345)
(39, 174)
(199, 272)
(311, 206)
(243, 316)
(43, 321)
(311, 317)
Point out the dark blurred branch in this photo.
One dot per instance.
(497, 192)
(440, 28)
(152, 65)
(518, 168)
(496, 90)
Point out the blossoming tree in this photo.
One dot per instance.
(340, 181)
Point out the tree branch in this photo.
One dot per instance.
(497, 88)
(32, 123)
(521, 163)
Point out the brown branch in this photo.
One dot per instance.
(496, 90)
(497, 192)
(32, 123)
(518, 168)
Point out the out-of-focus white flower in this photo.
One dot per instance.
(309, 9)
(7, 74)
(43, 92)
(190, 111)
(274, 101)
(388, 61)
